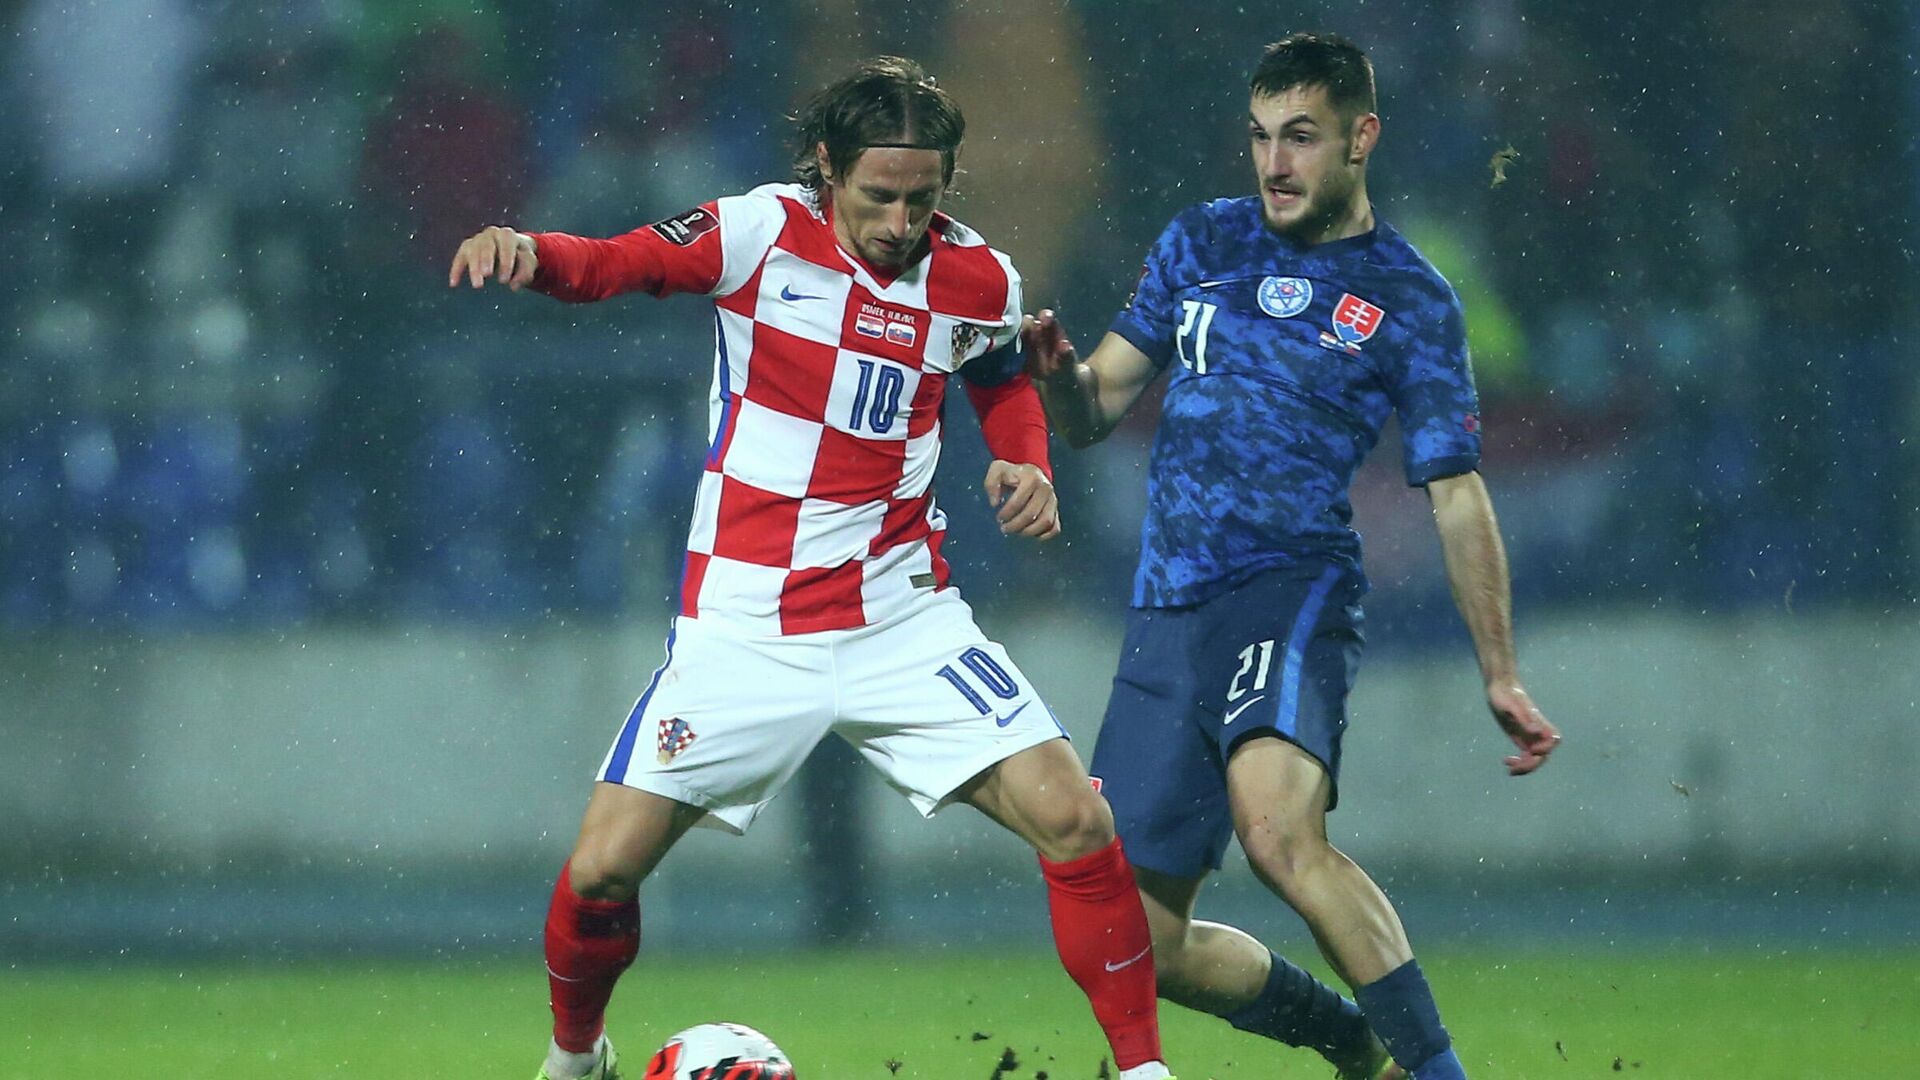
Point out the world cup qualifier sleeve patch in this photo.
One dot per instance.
(684, 228)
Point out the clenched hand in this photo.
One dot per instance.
(495, 251)
(1025, 498)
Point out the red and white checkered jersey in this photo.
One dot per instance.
(816, 509)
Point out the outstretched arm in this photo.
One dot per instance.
(1477, 570)
(1084, 399)
(680, 254)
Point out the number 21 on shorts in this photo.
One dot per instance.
(1256, 659)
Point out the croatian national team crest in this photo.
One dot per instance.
(675, 736)
(964, 335)
(1285, 297)
(1354, 321)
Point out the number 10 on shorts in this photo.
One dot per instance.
(988, 672)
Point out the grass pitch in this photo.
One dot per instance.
(1687, 1015)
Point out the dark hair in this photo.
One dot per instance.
(1325, 60)
(887, 101)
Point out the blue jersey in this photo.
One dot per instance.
(1291, 358)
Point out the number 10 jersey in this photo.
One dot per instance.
(815, 510)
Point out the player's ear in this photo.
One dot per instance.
(1366, 135)
(822, 161)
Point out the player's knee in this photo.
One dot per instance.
(1281, 856)
(1074, 828)
(597, 872)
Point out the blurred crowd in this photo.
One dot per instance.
(237, 391)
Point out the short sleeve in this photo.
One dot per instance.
(1148, 321)
(1434, 396)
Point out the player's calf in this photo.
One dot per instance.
(1297, 1009)
(1101, 934)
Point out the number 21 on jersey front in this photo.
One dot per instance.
(1195, 317)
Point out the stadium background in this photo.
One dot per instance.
(322, 588)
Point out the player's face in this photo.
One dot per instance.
(1311, 166)
(882, 207)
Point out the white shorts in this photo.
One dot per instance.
(727, 720)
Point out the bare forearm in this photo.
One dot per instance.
(1072, 401)
(1477, 570)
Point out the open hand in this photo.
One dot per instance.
(1025, 498)
(495, 250)
(1521, 719)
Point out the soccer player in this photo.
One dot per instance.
(1295, 323)
(814, 598)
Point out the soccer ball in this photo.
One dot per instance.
(719, 1052)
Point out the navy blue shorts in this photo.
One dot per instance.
(1275, 656)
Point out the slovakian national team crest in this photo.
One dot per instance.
(1354, 321)
(675, 736)
(1285, 297)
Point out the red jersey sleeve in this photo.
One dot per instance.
(1012, 421)
(681, 254)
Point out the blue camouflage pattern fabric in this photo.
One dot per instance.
(1290, 359)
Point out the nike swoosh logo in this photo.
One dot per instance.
(1130, 961)
(787, 294)
(1003, 721)
(1234, 713)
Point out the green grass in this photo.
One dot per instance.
(1695, 1015)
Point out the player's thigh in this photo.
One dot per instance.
(1276, 657)
(726, 721)
(1279, 795)
(1042, 794)
(932, 703)
(1277, 786)
(1158, 768)
(623, 836)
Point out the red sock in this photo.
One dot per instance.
(589, 943)
(1101, 932)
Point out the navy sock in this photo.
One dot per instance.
(1297, 1009)
(1401, 1011)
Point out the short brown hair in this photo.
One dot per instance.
(887, 101)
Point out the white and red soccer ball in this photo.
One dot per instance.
(719, 1052)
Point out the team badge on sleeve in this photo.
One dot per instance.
(683, 229)
(1285, 297)
(1354, 321)
(675, 736)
